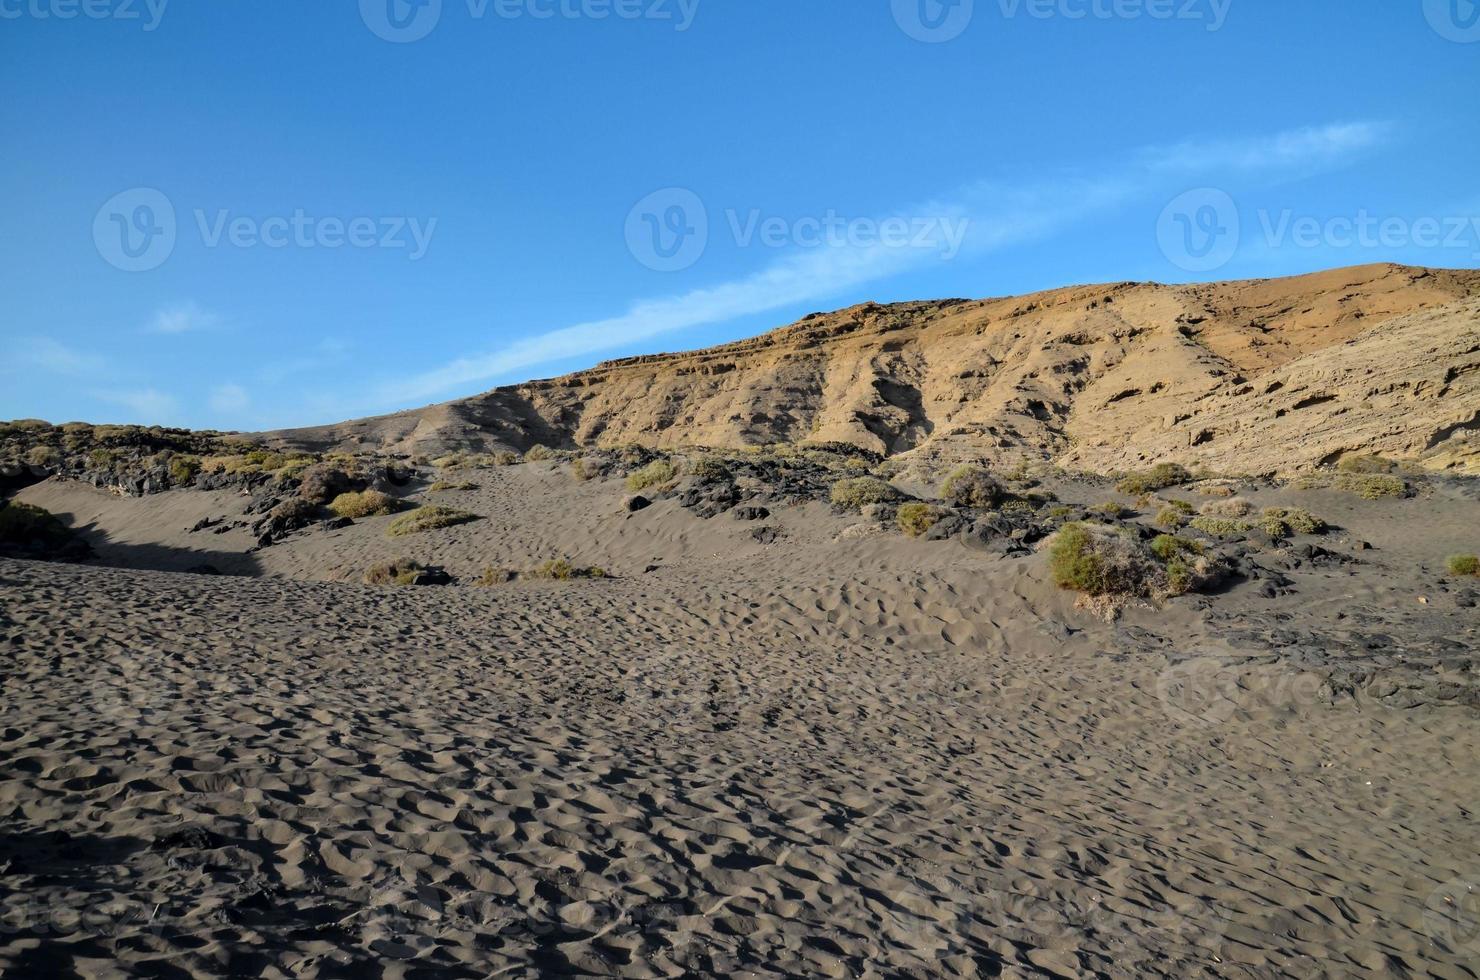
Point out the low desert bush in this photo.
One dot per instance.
(1464, 565)
(856, 492)
(1159, 477)
(708, 469)
(1219, 527)
(402, 571)
(1281, 522)
(364, 503)
(43, 456)
(323, 482)
(1168, 546)
(427, 519)
(1228, 507)
(294, 512)
(1099, 561)
(654, 474)
(1109, 509)
(103, 459)
(25, 525)
(492, 576)
(183, 470)
(972, 486)
(1173, 514)
(561, 570)
(1371, 487)
(444, 486)
(1366, 465)
(536, 453)
(916, 518)
(505, 458)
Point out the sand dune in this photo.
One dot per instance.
(825, 756)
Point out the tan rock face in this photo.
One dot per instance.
(1255, 376)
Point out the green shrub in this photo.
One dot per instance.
(427, 519)
(537, 452)
(1294, 519)
(294, 467)
(1159, 477)
(1229, 507)
(443, 486)
(708, 469)
(1100, 562)
(856, 492)
(1168, 546)
(294, 512)
(656, 473)
(917, 518)
(561, 570)
(1109, 509)
(1173, 514)
(43, 456)
(365, 503)
(1464, 565)
(402, 571)
(1220, 527)
(1372, 487)
(972, 486)
(102, 459)
(183, 470)
(24, 525)
(1366, 465)
(1060, 512)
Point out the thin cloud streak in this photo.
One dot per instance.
(999, 215)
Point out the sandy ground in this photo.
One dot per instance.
(820, 757)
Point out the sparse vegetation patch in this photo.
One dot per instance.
(428, 519)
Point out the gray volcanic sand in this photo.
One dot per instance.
(857, 757)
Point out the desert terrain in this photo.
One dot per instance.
(1115, 631)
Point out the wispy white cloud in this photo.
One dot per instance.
(229, 398)
(998, 215)
(182, 318)
(994, 215)
(53, 356)
(322, 354)
(148, 405)
(1291, 149)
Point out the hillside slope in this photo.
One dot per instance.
(1258, 376)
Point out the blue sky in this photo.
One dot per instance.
(248, 214)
